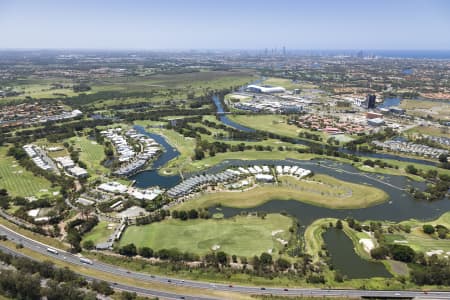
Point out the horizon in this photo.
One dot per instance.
(232, 25)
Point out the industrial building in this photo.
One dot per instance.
(265, 89)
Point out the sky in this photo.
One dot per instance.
(226, 24)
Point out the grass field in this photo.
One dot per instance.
(241, 235)
(437, 110)
(315, 193)
(99, 233)
(272, 123)
(422, 242)
(91, 154)
(288, 84)
(18, 181)
(429, 130)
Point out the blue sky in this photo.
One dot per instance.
(227, 24)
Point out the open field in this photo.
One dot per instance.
(288, 84)
(99, 233)
(272, 123)
(429, 130)
(18, 181)
(438, 110)
(315, 193)
(241, 235)
(237, 98)
(91, 153)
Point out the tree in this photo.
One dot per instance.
(266, 259)
(193, 214)
(183, 215)
(283, 264)
(351, 222)
(128, 250)
(443, 158)
(127, 296)
(88, 245)
(222, 257)
(146, 252)
(102, 287)
(199, 154)
(379, 252)
(402, 253)
(74, 239)
(428, 229)
(411, 169)
(339, 224)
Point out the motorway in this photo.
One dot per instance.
(120, 272)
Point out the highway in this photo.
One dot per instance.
(120, 272)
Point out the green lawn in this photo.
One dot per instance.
(390, 238)
(17, 180)
(99, 233)
(91, 154)
(241, 235)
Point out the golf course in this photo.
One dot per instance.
(241, 235)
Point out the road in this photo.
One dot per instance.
(120, 272)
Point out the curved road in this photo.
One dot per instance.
(106, 268)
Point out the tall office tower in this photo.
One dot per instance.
(371, 101)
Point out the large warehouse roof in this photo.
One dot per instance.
(265, 89)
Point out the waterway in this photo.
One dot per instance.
(151, 177)
(400, 205)
(225, 120)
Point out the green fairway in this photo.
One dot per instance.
(241, 235)
(17, 180)
(91, 153)
(420, 241)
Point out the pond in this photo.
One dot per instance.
(390, 102)
(346, 261)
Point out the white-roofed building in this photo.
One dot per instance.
(265, 89)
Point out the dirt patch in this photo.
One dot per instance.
(399, 267)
